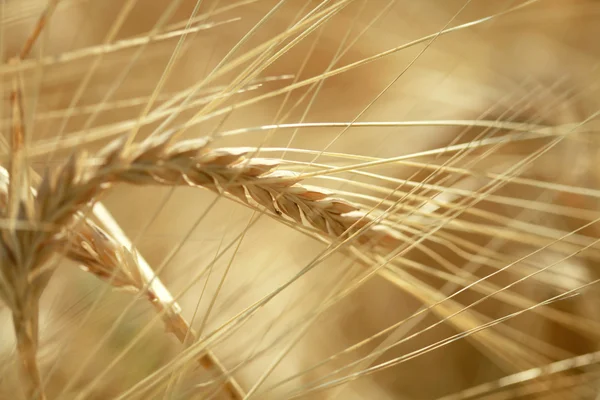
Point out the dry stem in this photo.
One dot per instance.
(21, 284)
(26, 333)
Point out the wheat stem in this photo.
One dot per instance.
(25, 326)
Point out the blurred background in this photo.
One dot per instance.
(85, 81)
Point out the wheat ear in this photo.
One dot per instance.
(109, 260)
(64, 191)
(191, 163)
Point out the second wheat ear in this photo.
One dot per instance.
(104, 257)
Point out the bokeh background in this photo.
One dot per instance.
(537, 65)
